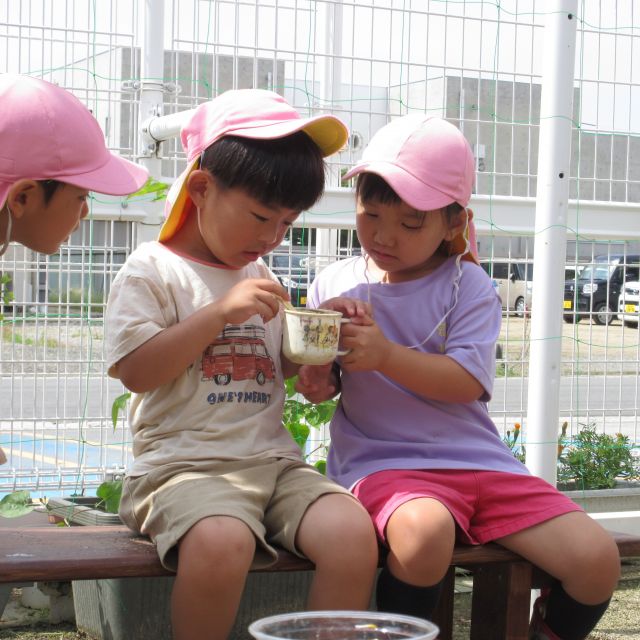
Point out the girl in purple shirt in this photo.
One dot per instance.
(412, 436)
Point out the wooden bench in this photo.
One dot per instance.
(501, 593)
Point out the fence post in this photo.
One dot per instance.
(556, 111)
(151, 99)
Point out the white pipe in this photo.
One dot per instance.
(164, 127)
(556, 111)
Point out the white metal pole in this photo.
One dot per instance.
(151, 98)
(327, 239)
(556, 111)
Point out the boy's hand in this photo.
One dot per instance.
(252, 297)
(368, 346)
(352, 308)
(317, 383)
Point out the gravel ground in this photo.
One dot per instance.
(621, 622)
(587, 348)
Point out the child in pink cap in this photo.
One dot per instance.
(194, 330)
(52, 153)
(412, 437)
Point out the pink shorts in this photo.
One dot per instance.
(486, 505)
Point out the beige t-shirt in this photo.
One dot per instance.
(228, 404)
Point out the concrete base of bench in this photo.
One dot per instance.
(500, 601)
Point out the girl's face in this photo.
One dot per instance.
(44, 226)
(230, 227)
(402, 242)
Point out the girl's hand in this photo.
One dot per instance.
(317, 383)
(356, 310)
(368, 346)
(249, 298)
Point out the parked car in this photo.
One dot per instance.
(513, 282)
(596, 292)
(295, 272)
(572, 271)
(629, 304)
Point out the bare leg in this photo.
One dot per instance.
(215, 556)
(576, 550)
(336, 534)
(421, 536)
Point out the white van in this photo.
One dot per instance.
(513, 282)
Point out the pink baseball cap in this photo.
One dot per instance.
(427, 162)
(247, 113)
(46, 133)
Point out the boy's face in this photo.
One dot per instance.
(234, 228)
(44, 227)
(402, 242)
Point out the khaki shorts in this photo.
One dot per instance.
(270, 496)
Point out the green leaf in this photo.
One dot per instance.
(152, 187)
(110, 493)
(16, 504)
(289, 384)
(321, 466)
(299, 432)
(119, 405)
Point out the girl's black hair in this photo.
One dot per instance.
(49, 187)
(285, 172)
(370, 187)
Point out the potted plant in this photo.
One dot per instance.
(596, 470)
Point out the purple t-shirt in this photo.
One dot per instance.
(381, 425)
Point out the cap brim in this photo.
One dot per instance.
(117, 177)
(404, 184)
(327, 131)
(178, 204)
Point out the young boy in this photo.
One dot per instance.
(52, 154)
(412, 436)
(194, 329)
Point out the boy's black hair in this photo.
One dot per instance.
(370, 187)
(285, 172)
(49, 187)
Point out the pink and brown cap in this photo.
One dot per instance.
(426, 161)
(247, 113)
(46, 133)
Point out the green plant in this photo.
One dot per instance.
(595, 460)
(16, 504)
(513, 440)
(300, 416)
(152, 187)
(109, 493)
(5, 294)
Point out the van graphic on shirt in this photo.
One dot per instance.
(238, 353)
